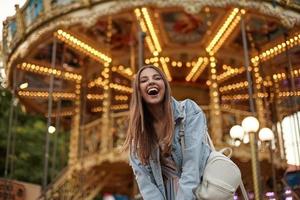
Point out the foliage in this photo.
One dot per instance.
(29, 145)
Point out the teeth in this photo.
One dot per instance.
(152, 91)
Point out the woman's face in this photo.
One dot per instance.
(152, 86)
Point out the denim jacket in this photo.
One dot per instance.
(191, 165)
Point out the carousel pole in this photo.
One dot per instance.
(214, 104)
(13, 146)
(50, 101)
(141, 37)
(253, 140)
(82, 176)
(10, 124)
(57, 125)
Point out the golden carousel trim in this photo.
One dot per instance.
(87, 13)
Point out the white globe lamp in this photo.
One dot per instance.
(51, 129)
(266, 134)
(237, 132)
(250, 124)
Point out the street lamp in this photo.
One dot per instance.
(237, 132)
(251, 125)
(267, 135)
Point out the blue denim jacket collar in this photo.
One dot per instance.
(176, 110)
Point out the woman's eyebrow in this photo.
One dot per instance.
(143, 77)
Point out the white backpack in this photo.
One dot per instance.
(221, 177)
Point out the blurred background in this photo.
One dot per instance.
(66, 68)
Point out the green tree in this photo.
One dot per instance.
(29, 133)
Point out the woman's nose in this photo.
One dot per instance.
(151, 81)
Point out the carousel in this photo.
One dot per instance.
(74, 60)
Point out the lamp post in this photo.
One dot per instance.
(267, 135)
(251, 125)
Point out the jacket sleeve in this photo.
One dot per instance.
(146, 183)
(196, 151)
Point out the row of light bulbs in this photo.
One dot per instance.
(63, 95)
(105, 73)
(97, 109)
(87, 49)
(61, 114)
(226, 34)
(105, 84)
(229, 72)
(147, 27)
(43, 94)
(214, 94)
(143, 26)
(121, 98)
(197, 69)
(151, 38)
(102, 96)
(113, 107)
(163, 63)
(98, 82)
(151, 29)
(289, 94)
(282, 75)
(295, 40)
(267, 83)
(48, 71)
(234, 86)
(242, 97)
(95, 96)
(258, 78)
(123, 70)
(82, 46)
(270, 53)
(224, 31)
(165, 68)
(235, 97)
(174, 63)
(262, 95)
(156, 59)
(122, 88)
(119, 107)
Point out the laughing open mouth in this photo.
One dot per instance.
(153, 91)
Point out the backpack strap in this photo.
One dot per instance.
(244, 193)
(211, 144)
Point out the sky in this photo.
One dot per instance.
(7, 8)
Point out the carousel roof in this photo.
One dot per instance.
(97, 48)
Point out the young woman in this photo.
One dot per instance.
(162, 170)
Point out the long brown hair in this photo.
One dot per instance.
(141, 137)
